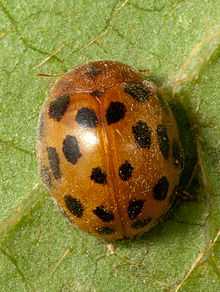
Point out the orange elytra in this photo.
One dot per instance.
(109, 150)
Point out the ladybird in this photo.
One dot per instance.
(109, 150)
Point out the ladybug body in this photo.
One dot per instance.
(109, 150)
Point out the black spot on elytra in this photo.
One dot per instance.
(140, 223)
(105, 230)
(160, 190)
(98, 176)
(125, 171)
(178, 158)
(135, 208)
(93, 71)
(97, 93)
(138, 91)
(103, 214)
(71, 149)
(58, 107)
(115, 112)
(86, 118)
(54, 162)
(163, 140)
(142, 134)
(74, 206)
(45, 175)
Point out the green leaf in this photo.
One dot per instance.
(179, 43)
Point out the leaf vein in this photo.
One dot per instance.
(25, 42)
(115, 10)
